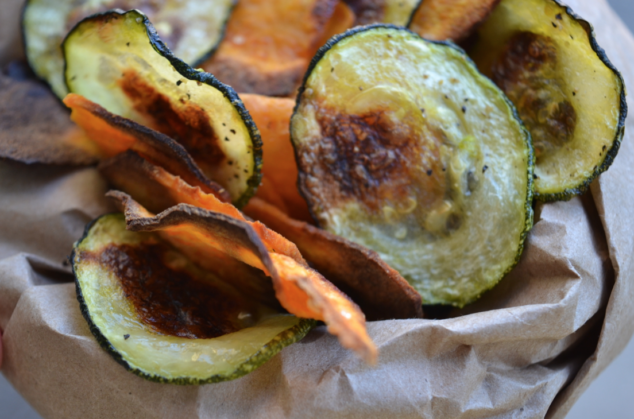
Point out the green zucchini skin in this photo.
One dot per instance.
(287, 337)
(192, 74)
(482, 51)
(611, 153)
(530, 176)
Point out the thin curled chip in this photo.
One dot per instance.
(118, 61)
(300, 290)
(113, 134)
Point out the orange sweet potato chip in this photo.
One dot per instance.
(302, 291)
(268, 44)
(440, 20)
(114, 134)
(279, 171)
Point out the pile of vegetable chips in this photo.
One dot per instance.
(367, 165)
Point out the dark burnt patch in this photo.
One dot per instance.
(527, 72)
(170, 301)
(189, 124)
(373, 160)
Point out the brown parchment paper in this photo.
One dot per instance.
(527, 349)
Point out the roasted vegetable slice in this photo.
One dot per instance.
(403, 147)
(397, 12)
(441, 20)
(34, 126)
(269, 44)
(117, 60)
(302, 291)
(165, 319)
(279, 171)
(113, 134)
(569, 95)
(191, 29)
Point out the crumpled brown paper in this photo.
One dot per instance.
(527, 349)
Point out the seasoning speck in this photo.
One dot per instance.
(464, 109)
(484, 169)
(178, 83)
(558, 16)
(126, 337)
(554, 24)
(429, 172)
(232, 131)
(226, 138)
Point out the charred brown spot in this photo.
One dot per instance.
(526, 72)
(375, 161)
(188, 124)
(170, 301)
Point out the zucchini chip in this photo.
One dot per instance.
(454, 20)
(34, 126)
(396, 12)
(197, 233)
(403, 147)
(117, 60)
(191, 29)
(269, 44)
(113, 134)
(569, 95)
(163, 318)
(378, 289)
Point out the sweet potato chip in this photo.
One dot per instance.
(114, 134)
(279, 171)
(157, 190)
(300, 290)
(35, 127)
(268, 44)
(440, 20)
(379, 290)
(397, 12)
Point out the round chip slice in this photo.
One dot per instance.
(569, 95)
(167, 320)
(405, 148)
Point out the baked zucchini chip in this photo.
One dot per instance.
(571, 98)
(269, 44)
(405, 148)
(397, 12)
(454, 20)
(118, 61)
(192, 29)
(163, 318)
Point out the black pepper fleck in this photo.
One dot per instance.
(429, 172)
(604, 147)
(464, 109)
(178, 83)
(484, 169)
(126, 337)
(128, 44)
(232, 131)
(554, 24)
(534, 176)
(558, 16)
(226, 138)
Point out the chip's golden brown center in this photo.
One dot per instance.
(526, 72)
(188, 124)
(171, 301)
(381, 162)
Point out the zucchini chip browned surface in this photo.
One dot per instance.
(404, 147)
(197, 233)
(191, 29)
(397, 12)
(569, 95)
(269, 44)
(118, 61)
(164, 318)
(454, 20)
